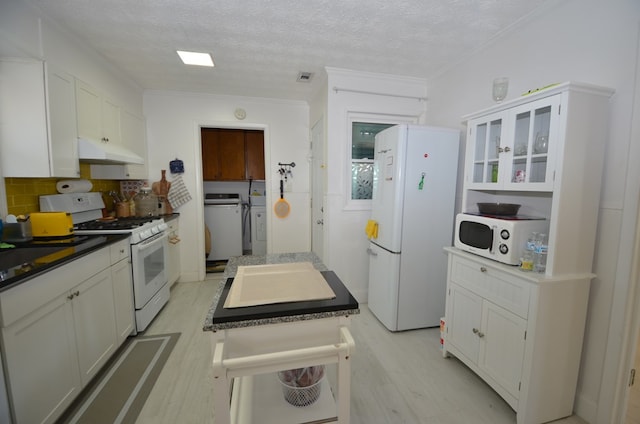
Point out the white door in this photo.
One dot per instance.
(95, 323)
(42, 361)
(387, 199)
(384, 273)
(317, 186)
(464, 321)
(503, 339)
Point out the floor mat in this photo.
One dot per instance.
(216, 266)
(120, 390)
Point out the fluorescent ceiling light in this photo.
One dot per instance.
(195, 58)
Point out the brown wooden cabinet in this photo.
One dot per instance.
(254, 154)
(232, 155)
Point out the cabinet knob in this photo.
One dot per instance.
(478, 332)
(483, 269)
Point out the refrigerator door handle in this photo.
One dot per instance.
(371, 252)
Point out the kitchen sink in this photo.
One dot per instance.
(10, 258)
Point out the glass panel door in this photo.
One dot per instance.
(486, 150)
(542, 120)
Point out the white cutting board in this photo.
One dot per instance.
(277, 283)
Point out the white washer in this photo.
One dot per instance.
(223, 217)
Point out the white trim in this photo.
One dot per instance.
(4, 208)
(374, 118)
(613, 401)
(374, 93)
(199, 192)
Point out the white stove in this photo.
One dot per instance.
(86, 212)
(148, 241)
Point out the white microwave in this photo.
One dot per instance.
(499, 238)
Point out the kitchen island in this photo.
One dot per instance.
(251, 344)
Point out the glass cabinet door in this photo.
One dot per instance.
(486, 138)
(533, 134)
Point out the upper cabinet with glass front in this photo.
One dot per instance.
(515, 148)
(544, 151)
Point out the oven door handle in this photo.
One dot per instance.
(149, 243)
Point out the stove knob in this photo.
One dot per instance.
(164, 226)
(145, 234)
(155, 230)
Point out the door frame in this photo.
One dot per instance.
(318, 178)
(199, 191)
(626, 319)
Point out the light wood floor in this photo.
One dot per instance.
(396, 377)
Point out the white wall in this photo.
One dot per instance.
(25, 32)
(345, 240)
(591, 41)
(173, 130)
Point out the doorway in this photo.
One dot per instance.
(234, 188)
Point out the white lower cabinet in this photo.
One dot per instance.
(58, 331)
(520, 332)
(94, 322)
(490, 337)
(42, 362)
(122, 290)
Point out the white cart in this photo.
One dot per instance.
(251, 344)
(245, 361)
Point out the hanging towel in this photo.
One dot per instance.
(371, 229)
(178, 193)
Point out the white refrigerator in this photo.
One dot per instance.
(414, 186)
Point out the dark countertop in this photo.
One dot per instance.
(47, 256)
(219, 318)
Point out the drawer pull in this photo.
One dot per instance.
(483, 269)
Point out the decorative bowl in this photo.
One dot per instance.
(498, 208)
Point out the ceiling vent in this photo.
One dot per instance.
(304, 76)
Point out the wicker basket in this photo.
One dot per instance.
(301, 396)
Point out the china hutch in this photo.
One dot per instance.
(522, 332)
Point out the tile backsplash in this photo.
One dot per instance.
(22, 193)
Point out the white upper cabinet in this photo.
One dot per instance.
(133, 133)
(98, 116)
(514, 149)
(38, 132)
(545, 152)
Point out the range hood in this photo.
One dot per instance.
(107, 153)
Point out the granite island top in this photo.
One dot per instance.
(219, 319)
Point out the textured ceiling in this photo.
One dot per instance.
(260, 46)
